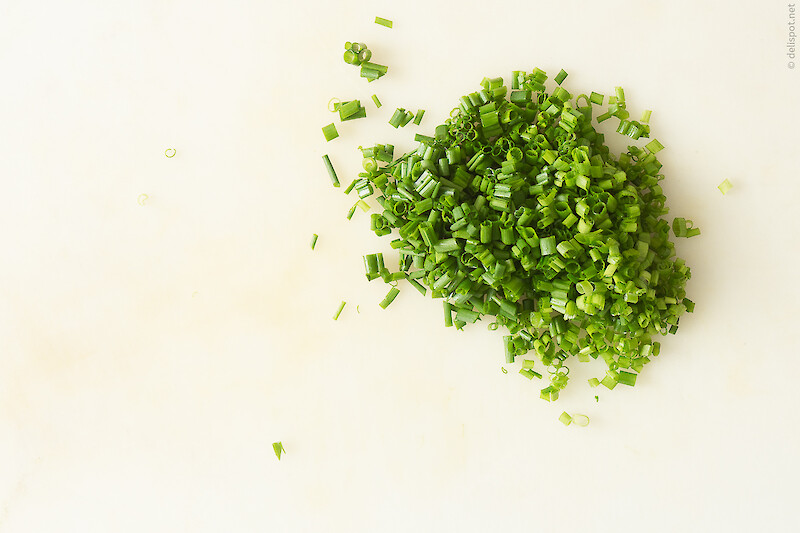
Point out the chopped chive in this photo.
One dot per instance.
(331, 171)
(330, 132)
(314, 238)
(278, 448)
(170, 152)
(418, 116)
(383, 22)
(376, 100)
(580, 420)
(725, 186)
(142, 199)
(561, 76)
(390, 296)
(654, 146)
(504, 370)
(646, 116)
(627, 378)
(335, 107)
(596, 98)
(339, 310)
(565, 418)
(597, 398)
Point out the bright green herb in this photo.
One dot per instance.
(331, 171)
(565, 418)
(383, 22)
(392, 294)
(314, 238)
(330, 132)
(339, 310)
(359, 55)
(725, 186)
(504, 370)
(561, 76)
(418, 116)
(278, 448)
(376, 100)
(516, 209)
(170, 152)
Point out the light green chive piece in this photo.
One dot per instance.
(646, 115)
(331, 171)
(565, 418)
(390, 296)
(376, 100)
(561, 76)
(170, 152)
(278, 448)
(383, 22)
(580, 420)
(330, 132)
(504, 370)
(725, 186)
(339, 310)
(314, 238)
(594, 382)
(654, 146)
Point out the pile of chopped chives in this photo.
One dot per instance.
(516, 210)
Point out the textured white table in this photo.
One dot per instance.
(149, 355)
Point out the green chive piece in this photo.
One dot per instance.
(646, 116)
(170, 152)
(376, 100)
(504, 370)
(390, 296)
(331, 171)
(725, 186)
(418, 116)
(627, 378)
(330, 132)
(314, 238)
(561, 76)
(565, 418)
(654, 146)
(339, 310)
(278, 448)
(383, 22)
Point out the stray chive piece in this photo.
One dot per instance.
(376, 100)
(314, 238)
(597, 398)
(565, 418)
(504, 370)
(390, 296)
(351, 110)
(418, 116)
(646, 115)
(335, 107)
(580, 420)
(359, 55)
(383, 22)
(142, 199)
(654, 146)
(170, 152)
(339, 310)
(401, 117)
(278, 448)
(561, 76)
(725, 186)
(330, 132)
(683, 227)
(331, 171)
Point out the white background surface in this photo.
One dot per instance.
(149, 355)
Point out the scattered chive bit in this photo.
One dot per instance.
(351, 110)
(390, 296)
(352, 211)
(418, 116)
(646, 115)
(597, 398)
(359, 55)
(514, 209)
(504, 370)
(278, 448)
(376, 100)
(331, 171)
(357, 310)
(330, 132)
(170, 152)
(725, 186)
(561, 76)
(142, 199)
(335, 107)
(580, 420)
(682, 227)
(383, 22)
(314, 238)
(339, 310)
(565, 418)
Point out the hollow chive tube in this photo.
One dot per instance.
(330, 132)
(565, 418)
(331, 171)
(397, 118)
(448, 314)
(390, 296)
(339, 310)
(314, 238)
(418, 116)
(509, 348)
(376, 100)
(561, 76)
(384, 22)
(725, 186)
